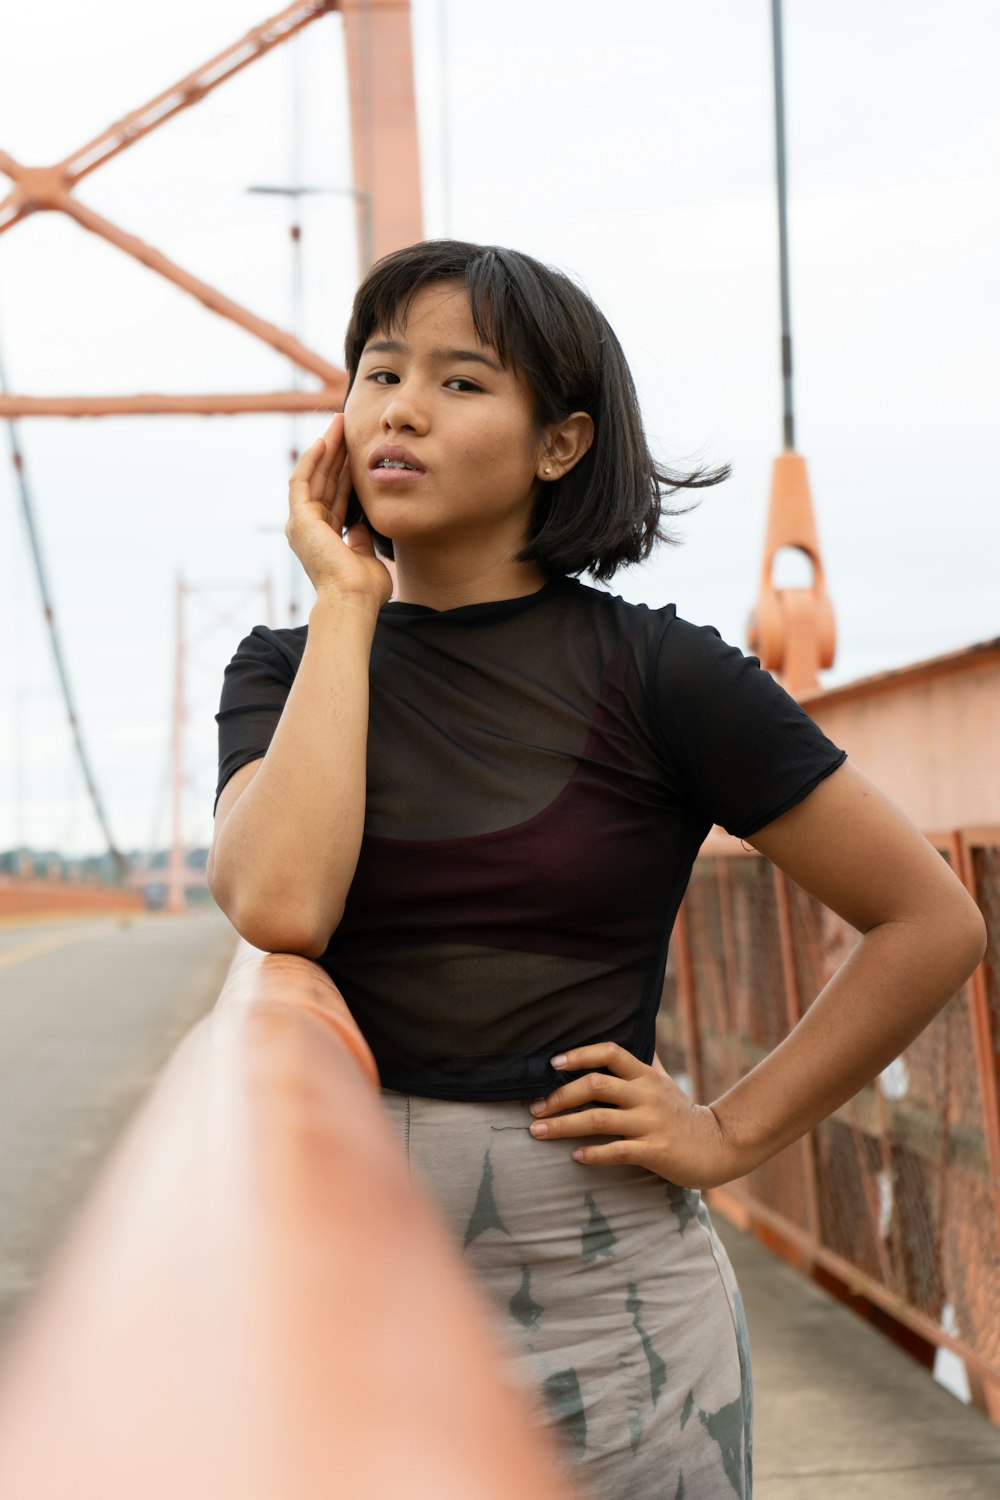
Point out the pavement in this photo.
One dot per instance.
(840, 1412)
(90, 1010)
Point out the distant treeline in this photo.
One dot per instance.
(50, 864)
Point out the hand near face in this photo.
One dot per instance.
(657, 1125)
(318, 492)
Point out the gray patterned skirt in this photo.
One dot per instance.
(612, 1291)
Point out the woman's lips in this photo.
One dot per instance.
(395, 476)
(393, 454)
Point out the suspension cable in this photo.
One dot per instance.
(27, 509)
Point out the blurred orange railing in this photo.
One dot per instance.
(257, 1301)
(894, 1201)
(26, 899)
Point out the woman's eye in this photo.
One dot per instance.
(383, 377)
(466, 385)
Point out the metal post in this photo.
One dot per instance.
(294, 192)
(295, 231)
(786, 313)
(364, 194)
(687, 1004)
(176, 896)
(444, 98)
(795, 1006)
(983, 1044)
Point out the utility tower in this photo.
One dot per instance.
(193, 654)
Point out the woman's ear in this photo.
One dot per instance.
(564, 445)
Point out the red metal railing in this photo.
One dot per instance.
(32, 898)
(897, 1195)
(258, 1301)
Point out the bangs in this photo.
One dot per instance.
(497, 309)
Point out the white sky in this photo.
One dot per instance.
(631, 145)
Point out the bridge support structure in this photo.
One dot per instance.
(386, 191)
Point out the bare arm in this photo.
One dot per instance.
(288, 827)
(848, 845)
(922, 935)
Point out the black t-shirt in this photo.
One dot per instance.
(541, 774)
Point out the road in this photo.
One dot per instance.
(89, 1012)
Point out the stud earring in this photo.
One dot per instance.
(548, 469)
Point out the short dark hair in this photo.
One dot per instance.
(609, 509)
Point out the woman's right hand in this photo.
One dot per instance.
(318, 492)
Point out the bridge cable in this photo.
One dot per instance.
(782, 175)
(17, 459)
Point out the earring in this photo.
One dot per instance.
(548, 469)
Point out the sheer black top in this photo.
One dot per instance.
(541, 773)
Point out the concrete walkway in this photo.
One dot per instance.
(89, 1013)
(840, 1412)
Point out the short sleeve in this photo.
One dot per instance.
(732, 742)
(254, 689)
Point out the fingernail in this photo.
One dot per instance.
(539, 1127)
(558, 1062)
(536, 1106)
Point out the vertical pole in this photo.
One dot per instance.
(385, 154)
(295, 230)
(444, 97)
(687, 1004)
(175, 882)
(735, 1007)
(19, 779)
(786, 313)
(367, 121)
(985, 1390)
(794, 1010)
(979, 1016)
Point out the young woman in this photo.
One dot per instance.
(477, 806)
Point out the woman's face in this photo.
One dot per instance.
(432, 397)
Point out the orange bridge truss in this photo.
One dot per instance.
(386, 193)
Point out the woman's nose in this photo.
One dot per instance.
(402, 413)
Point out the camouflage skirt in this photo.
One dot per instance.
(613, 1293)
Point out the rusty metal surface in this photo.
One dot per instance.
(928, 734)
(897, 1193)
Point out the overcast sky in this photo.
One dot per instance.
(631, 145)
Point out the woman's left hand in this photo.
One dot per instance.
(658, 1126)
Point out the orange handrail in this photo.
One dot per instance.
(257, 1301)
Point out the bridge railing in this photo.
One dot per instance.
(258, 1301)
(20, 899)
(894, 1201)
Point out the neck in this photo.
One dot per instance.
(443, 581)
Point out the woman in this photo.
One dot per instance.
(477, 806)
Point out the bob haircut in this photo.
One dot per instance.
(609, 509)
